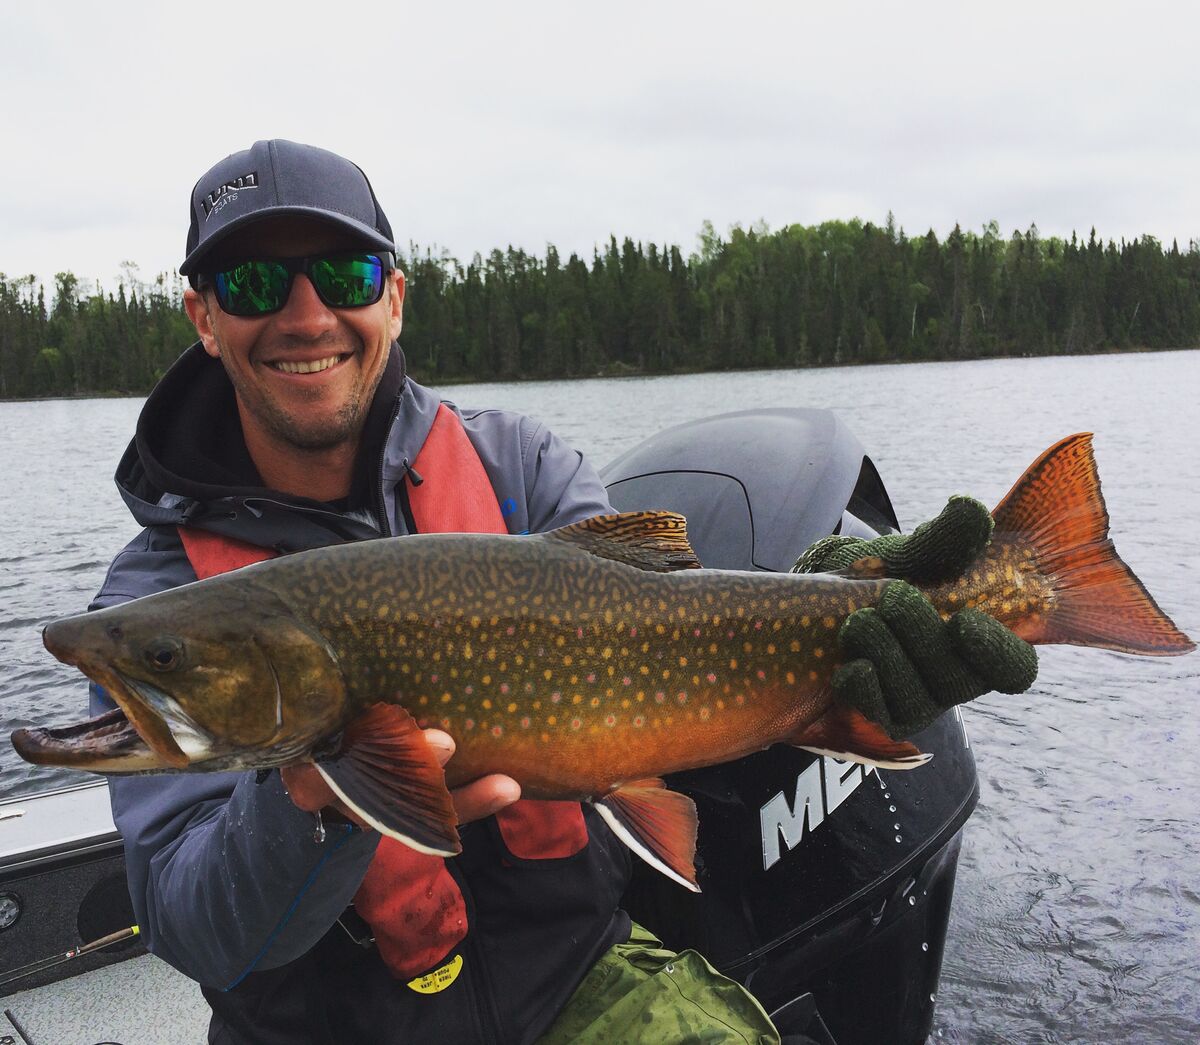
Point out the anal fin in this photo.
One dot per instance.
(389, 776)
(656, 823)
(849, 735)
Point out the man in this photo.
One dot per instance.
(291, 425)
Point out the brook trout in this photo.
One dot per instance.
(586, 662)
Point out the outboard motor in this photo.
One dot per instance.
(826, 884)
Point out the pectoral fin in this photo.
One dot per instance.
(657, 824)
(389, 776)
(849, 735)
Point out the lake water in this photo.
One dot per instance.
(1077, 910)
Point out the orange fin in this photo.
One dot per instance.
(389, 776)
(1056, 509)
(657, 824)
(849, 735)
(655, 541)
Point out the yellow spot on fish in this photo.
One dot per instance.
(487, 704)
(805, 621)
(733, 664)
(812, 676)
(445, 698)
(818, 653)
(795, 646)
(547, 674)
(771, 648)
(512, 708)
(683, 662)
(791, 678)
(829, 622)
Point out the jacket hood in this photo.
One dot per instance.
(188, 462)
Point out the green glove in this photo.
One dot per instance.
(904, 665)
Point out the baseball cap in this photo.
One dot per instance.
(282, 177)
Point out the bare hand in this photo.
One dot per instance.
(483, 797)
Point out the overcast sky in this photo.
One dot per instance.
(483, 125)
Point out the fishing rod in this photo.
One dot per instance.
(76, 952)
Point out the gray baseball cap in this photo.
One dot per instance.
(282, 177)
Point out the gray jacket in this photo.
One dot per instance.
(225, 873)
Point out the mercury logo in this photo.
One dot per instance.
(820, 789)
(227, 192)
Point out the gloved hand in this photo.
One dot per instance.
(904, 666)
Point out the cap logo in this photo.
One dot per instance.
(227, 192)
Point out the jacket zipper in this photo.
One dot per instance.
(380, 504)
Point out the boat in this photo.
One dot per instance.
(826, 885)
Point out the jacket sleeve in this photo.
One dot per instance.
(561, 486)
(224, 873)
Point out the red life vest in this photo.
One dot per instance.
(411, 901)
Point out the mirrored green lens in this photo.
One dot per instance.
(252, 287)
(350, 281)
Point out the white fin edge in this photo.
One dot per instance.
(391, 832)
(912, 762)
(636, 844)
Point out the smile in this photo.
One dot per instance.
(306, 367)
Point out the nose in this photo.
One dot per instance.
(305, 314)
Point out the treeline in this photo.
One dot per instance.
(840, 292)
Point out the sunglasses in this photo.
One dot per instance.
(260, 287)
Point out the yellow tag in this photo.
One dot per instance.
(439, 979)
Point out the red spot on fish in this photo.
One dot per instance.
(497, 731)
(729, 633)
(576, 723)
(610, 720)
(433, 678)
(592, 677)
(627, 680)
(761, 674)
(758, 625)
(682, 698)
(469, 723)
(469, 689)
(525, 722)
(660, 696)
(555, 697)
(633, 633)
(503, 687)
(510, 630)
(579, 633)
(711, 677)
(696, 633)
(639, 720)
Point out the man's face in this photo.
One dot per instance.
(323, 408)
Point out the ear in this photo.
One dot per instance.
(198, 307)
(397, 302)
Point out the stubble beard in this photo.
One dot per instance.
(299, 432)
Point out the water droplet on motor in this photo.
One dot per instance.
(895, 827)
(912, 901)
(933, 997)
(891, 809)
(887, 794)
(924, 946)
(898, 838)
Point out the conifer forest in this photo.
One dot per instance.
(835, 293)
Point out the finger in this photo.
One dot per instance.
(484, 796)
(442, 744)
(856, 685)
(1002, 659)
(943, 548)
(865, 634)
(923, 636)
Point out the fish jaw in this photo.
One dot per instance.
(105, 744)
(148, 710)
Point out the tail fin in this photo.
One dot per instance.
(1057, 508)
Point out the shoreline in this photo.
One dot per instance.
(622, 371)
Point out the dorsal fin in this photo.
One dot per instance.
(654, 541)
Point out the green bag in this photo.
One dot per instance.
(638, 993)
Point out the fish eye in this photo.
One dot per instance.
(164, 654)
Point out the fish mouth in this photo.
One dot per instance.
(147, 730)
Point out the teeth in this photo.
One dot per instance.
(315, 367)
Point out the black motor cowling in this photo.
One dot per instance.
(823, 881)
